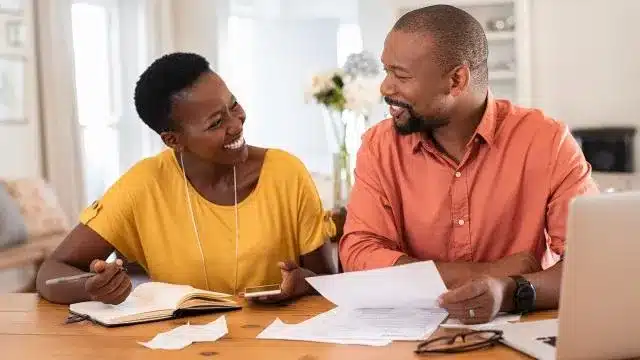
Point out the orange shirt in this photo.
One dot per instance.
(509, 193)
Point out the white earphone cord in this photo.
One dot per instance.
(235, 209)
(193, 221)
(195, 228)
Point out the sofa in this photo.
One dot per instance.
(32, 225)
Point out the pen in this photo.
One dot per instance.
(67, 279)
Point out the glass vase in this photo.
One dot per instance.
(342, 179)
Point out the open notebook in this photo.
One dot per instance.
(154, 301)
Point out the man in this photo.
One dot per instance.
(478, 185)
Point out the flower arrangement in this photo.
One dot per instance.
(354, 87)
(347, 94)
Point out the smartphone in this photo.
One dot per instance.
(265, 290)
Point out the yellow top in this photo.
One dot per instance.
(146, 216)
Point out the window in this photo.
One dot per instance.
(110, 46)
(95, 53)
(267, 61)
(240, 73)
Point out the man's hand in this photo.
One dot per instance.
(477, 301)
(111, 285)
(293, 283)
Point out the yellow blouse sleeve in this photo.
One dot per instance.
(112, 217)
(315, 225)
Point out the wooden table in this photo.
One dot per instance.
(31, 328)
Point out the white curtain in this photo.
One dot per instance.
(157, 38)
(151, 22)
(62, 160)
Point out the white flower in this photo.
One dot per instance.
(361, 94)
(324, 81)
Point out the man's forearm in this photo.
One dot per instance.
(453, 274)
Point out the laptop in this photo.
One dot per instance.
(599, 311)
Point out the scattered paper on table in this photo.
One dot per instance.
(279, 330)
(375, 327)
(185, 335)
(374, 307)
(499, 320)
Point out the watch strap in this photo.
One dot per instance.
(523, 305)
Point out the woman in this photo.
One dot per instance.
(210, 212)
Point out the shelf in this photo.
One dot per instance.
(459, 3)
(500, 35)
(502, 75)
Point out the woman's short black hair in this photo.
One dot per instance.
(165, 77)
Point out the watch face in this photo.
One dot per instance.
(526, 292)
(525, 298)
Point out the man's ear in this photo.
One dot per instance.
(172, 140)
(460, 78)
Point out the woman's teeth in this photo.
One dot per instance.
(236, 144)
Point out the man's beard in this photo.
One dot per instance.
(415, 123)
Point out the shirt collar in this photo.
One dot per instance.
(486, 128)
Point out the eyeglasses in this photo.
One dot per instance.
(462, 342)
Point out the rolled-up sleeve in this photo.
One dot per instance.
(371, 238)
(570, 177)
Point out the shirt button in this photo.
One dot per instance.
(460, 222)
(458, 174)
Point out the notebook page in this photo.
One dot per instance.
(147, 297)
(106, 313)
(165, 296)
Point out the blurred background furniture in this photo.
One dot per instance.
(32, 224)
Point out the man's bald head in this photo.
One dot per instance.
(457, 36)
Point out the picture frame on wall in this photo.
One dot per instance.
(15, 34)
(12, 90)
(12, 6)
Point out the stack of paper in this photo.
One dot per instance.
(374, 307)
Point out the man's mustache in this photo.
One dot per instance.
(393, 102)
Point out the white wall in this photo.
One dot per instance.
(270, 62)
(195, 28)
(585, 60)
(20, 143)
(585, 57)
(375, 18)
(278, 107)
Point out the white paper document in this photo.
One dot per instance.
(415, 285)
(361, 326)
(375, 307)
(279, 330)
(186, 335)
(499, 320)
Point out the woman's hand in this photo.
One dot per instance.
(293, 283)
(111, 285)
